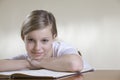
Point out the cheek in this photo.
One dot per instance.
(29, 47)
(48, 47)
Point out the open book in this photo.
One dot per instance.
(42, 73)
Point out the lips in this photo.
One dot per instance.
(38, 54)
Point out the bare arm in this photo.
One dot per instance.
(10, 65)
(63, 63)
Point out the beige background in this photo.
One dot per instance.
(92, 26)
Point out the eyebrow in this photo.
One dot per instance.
(33, 37)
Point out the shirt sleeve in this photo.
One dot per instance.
(62, 48)
(19, 57)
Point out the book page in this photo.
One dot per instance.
(41, 72)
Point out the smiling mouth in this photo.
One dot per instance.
(38, 54)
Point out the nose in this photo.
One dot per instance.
(38, 47)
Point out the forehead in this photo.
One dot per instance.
(45, 32)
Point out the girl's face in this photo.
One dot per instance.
(39, 43)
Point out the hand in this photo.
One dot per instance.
(35, 63)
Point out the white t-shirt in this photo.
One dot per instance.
(59, 48)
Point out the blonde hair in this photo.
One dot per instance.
(39, 19)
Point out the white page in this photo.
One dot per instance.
(41, 72)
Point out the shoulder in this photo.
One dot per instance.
(20, 56)
(61, 47)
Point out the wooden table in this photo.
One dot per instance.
(96, 75)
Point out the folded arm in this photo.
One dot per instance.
(66, 62)
(63, 63)
(10, 65)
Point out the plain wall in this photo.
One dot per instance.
(92, 26)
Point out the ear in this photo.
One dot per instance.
(54, 36)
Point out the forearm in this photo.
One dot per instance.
(60, 64)
(63, 63)
(9, 65)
